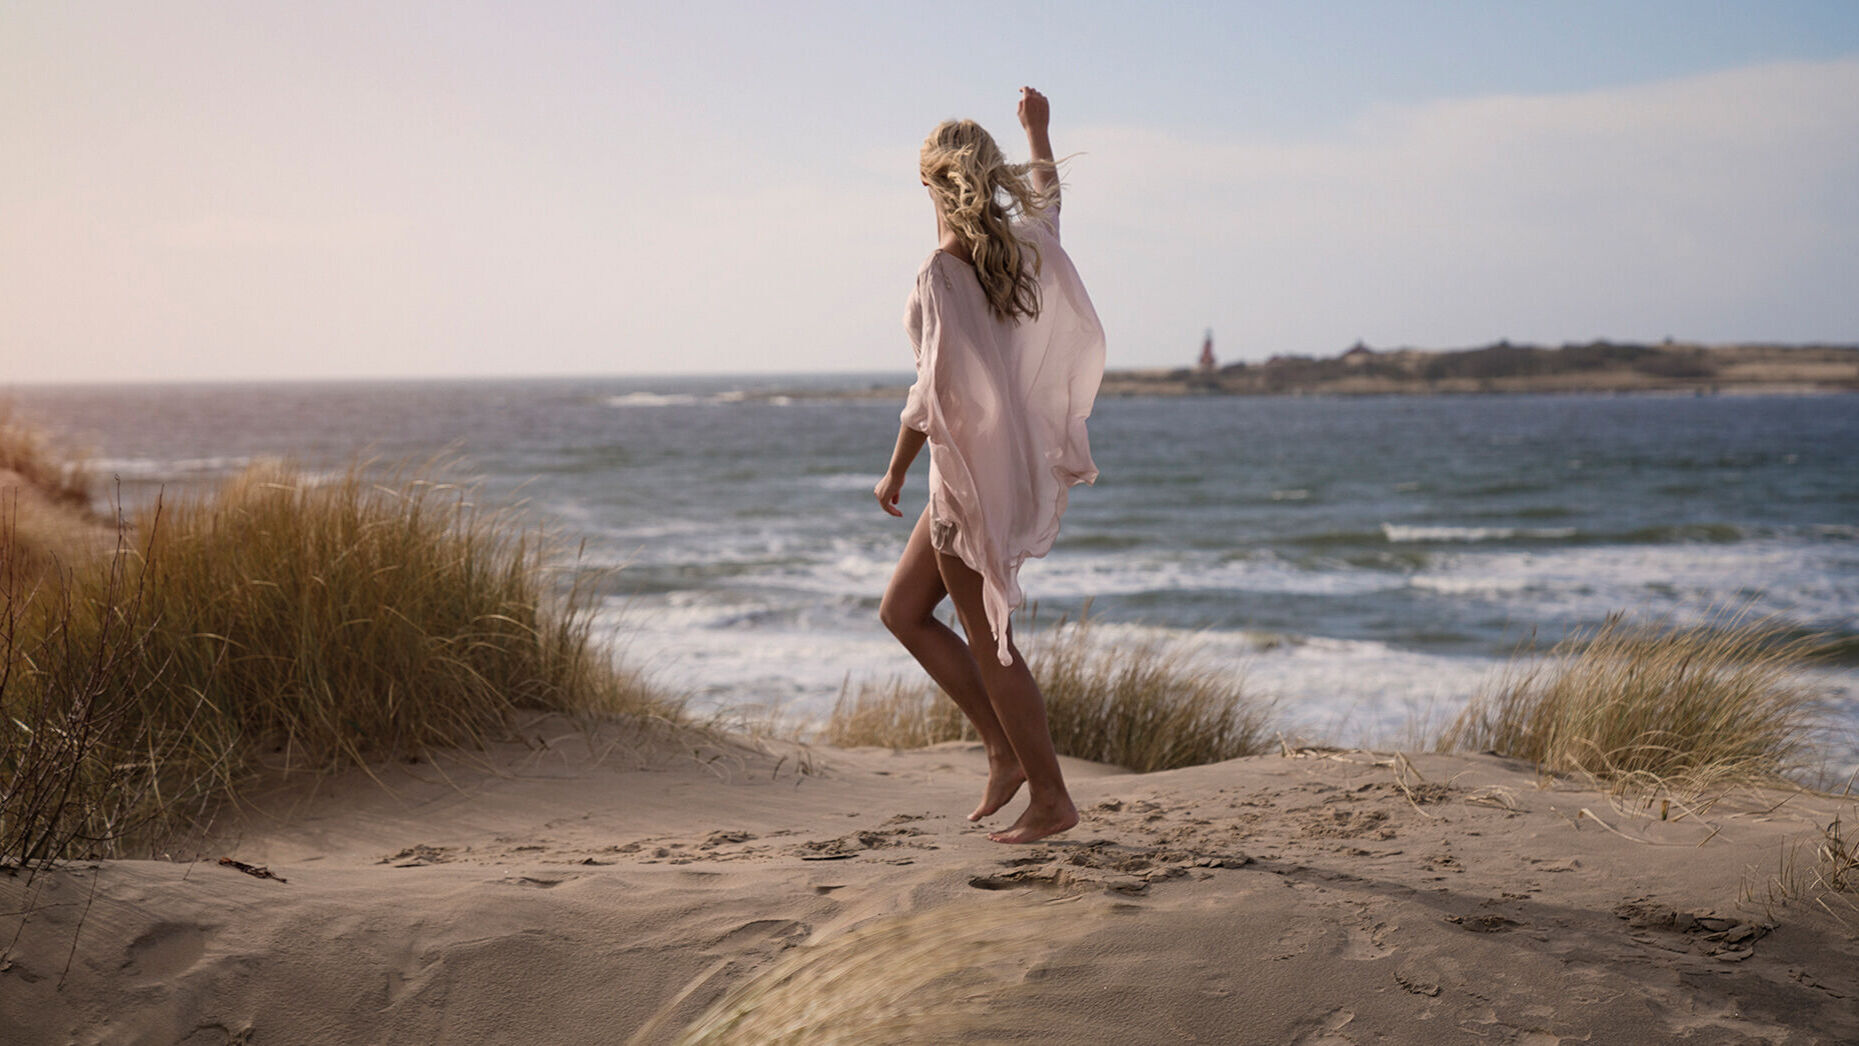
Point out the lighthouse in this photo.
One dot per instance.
(1208, 363)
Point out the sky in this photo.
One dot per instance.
(236, 191)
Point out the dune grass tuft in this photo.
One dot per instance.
(1147, 705)
(277, 624)
(895, 713)
(1836, 861)
(1822, 873)
(46, 515)
(1654, 705)
(57, 473)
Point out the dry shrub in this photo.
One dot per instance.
(1655, 705)
(76, 750)
(1148, 705)
(284, 624)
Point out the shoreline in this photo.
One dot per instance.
(1121, 385)
(1597, 368)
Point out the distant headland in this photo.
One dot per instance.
(1502, 367)
(1595, 367)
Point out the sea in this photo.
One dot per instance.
(1367, 564)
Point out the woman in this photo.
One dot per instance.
(1009, 356)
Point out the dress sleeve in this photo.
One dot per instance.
(916, 405)
(916, 408)
(1050, 217)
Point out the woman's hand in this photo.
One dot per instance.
(888, 490)
(1034, 111)
(1034, 114)
(909, 441)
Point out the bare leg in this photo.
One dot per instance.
(909, 611)
(1020, 710)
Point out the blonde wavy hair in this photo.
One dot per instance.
(979, 192)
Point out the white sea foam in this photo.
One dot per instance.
(1811, 583)
(1079, 576)
(1400, 534)
(652, 399)
(1070, 575)
(844, 481)
(166, 468)
(725, 652)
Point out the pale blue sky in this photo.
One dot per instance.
(234, 191)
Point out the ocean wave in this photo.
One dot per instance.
(657, 399)
(168, 468)
(1085, 576)
(1802, 583)
(1718, 533)
(739, 650)
(686, 399)
(1448, 534)
(1398, 534)
(843, 481)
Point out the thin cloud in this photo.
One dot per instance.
(1716, 206)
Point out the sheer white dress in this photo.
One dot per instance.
(1003, 405)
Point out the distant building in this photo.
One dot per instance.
(1208, 364)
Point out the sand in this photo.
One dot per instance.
(580, 888)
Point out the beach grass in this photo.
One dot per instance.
(895, 713)
(55, 472)
(46, 516)
(1147, 704)
(1821, 872)
(281, 623)
(1655, 705)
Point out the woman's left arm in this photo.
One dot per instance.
(891, 487)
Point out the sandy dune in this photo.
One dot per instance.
(579, 889)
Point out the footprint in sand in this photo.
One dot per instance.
(419, 855)
(1342, 823)
(846, 846)
(165, 950)
(1103, 864)
(536, 881)
(1329, 1030)
(787, 931)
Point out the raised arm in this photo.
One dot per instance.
(1035, 112)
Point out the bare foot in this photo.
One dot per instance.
(1039, 821)
(1004, 779)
